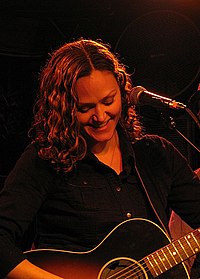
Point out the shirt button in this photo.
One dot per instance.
(128, 215)
(118, 189)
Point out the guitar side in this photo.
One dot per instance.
(129, 242)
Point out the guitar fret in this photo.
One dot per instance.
(187, 238)
(149, 260)
(166, 258)
(183, 249)
(187, 245)
(162, 261)
(157, 264)
(177, 252)
(192, 234)
(172, 255)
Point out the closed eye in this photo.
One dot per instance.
(108, 101)
(85, 108)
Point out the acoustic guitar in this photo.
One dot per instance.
(135, 249)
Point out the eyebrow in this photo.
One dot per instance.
(111, 94)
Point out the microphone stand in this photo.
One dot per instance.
(172, 125)
(193, 116)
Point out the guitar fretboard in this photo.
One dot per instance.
(174, 253)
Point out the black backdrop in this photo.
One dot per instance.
(158, 39)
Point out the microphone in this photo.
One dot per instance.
(140, 96)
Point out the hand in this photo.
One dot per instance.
(27, 270)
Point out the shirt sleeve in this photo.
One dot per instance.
(23, 193)
(184, 195)
(168, 179)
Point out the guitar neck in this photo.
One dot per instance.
(174, 253)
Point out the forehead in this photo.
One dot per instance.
(96, 86)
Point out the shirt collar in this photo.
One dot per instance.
(126, 150)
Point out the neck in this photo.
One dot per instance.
(109, 153)
(102, 148)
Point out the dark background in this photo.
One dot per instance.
(158, 39)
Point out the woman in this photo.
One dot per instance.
(89, 167)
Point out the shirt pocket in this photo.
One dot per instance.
(85, 194)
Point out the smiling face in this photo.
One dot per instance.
(99, 106)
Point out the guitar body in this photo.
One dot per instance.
(118, 256)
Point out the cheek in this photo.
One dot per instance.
(117, 108)
(83, 118)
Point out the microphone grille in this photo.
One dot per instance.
(135, 93)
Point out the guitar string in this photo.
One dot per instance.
(128, 273)
(157, 257)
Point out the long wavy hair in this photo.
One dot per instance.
(55, 127)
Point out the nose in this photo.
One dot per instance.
(99, 114)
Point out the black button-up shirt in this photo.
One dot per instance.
(90, 202)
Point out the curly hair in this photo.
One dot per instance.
(55, 127)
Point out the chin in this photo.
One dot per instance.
(101, 137)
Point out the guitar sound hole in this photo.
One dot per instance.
(122, 268)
